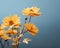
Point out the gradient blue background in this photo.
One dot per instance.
(48, 23)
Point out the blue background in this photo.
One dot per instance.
(48, 23)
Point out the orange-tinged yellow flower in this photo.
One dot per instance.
(33, 11)
(5, 37)
(31, 28)
(2, 32)
(10, 31)
(1, 27)
(11, 20)
(17, 24)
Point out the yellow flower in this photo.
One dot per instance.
(10, 31)
(33, 11)
(2, 32)
(31, 28)
(1, 27)
(11, 20)
(5, 37)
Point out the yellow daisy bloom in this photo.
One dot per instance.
(5, 37)
(11, 20)
(33, 11)
(31, 28)
(10, 31)
(2, 32)
(1, 27)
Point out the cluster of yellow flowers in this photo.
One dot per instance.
(11, 24)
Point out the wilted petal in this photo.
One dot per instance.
(26, 40)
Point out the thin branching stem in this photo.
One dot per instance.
(30, 19)
(1, 43)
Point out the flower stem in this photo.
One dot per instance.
(18, 45)
(22, 31)
(8, 44)
(5, 42)
(30, 19)
(2, 44)
(23, 26)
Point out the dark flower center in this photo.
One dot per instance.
(31, 10)
(11, 23)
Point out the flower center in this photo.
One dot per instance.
(31, 10)
(11, 23)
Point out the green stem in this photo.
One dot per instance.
(18, 45)
(30, 19)
(8, 44)
(2, 44)
(25, 22)
(5, 42)
(23, 32)
(23, 26)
